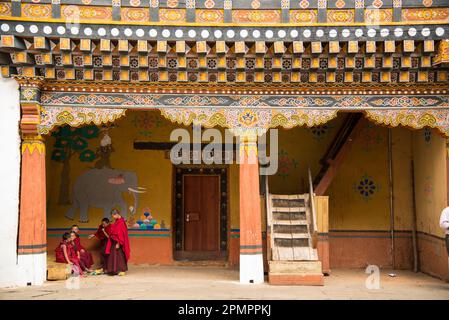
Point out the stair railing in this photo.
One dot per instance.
(312, 208)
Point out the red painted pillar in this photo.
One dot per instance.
(251, 259)
(32, 233)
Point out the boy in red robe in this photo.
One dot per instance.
(117, 248)
(86, 259)
(102, 234)
(65, 253)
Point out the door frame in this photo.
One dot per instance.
(178, 207)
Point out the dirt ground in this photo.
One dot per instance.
(182, 282)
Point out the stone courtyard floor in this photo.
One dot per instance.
(180, 282)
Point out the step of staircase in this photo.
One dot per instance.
(295, 273)
(281, 254)
(291, 236)
(289, 209)
(289, 222)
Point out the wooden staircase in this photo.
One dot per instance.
(293, 257)
(290, 222)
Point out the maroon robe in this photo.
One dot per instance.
(71, 254)
(86, 259)
(118, 258)
(103, 242)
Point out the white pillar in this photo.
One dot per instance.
(10, 275)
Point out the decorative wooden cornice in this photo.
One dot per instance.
(30, 92)
(295, 62)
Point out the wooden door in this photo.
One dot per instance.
(201, 214)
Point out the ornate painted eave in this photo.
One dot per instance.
(238, 64)
(245, 107)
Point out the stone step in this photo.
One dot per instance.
(295, 273)
(295, 266)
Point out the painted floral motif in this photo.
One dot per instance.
(366, 187)
(134, 3)
(29, 93)
(378, 15)
(434, 14)
(146, 122)
(36, 10)
(248, 118)
(427, 135)
(370, 136)
(340, 16)
(256, 16)
(172, 3)
(359, 4)
(304, 4)
(134, 14)
(377, 3)
(86, 12)
(173, 15)
(428, 189)
(340, 4)
(427, 3)
(321, 131)
(405, 101)
(255, 4)
(209, 4)
(5, 9)
(286, 164)
(303, 16)
(209, 16)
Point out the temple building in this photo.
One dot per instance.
(358, 91)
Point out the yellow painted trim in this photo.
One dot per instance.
(225, 24)
(32, 145)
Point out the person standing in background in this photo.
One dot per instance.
(444, 224)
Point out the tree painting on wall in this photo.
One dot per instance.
(69, 142)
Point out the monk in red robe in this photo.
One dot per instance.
(65, 253)
(117, 248)
(86, 259)
(102, 234)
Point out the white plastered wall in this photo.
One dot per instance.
(9, 182)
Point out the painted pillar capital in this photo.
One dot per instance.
(30, 104)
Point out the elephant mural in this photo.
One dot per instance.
(103, 188)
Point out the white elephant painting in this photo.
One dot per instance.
(103, 188)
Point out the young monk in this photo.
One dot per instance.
(102, 234)
(86, 260)
(65, 253)
(117, 248)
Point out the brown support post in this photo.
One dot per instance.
(251, 259)
(32, 239)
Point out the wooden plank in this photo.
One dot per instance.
(322, 206)
(289, 222)
(291, 236)
(335, 164)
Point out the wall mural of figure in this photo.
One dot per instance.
(104, 151)
(103, 188)
(69, 142)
